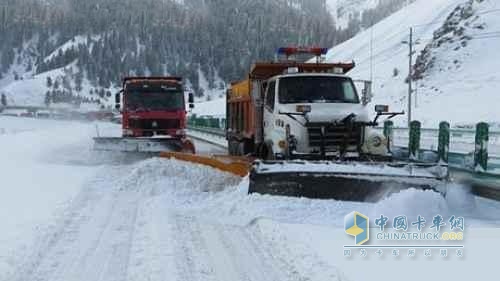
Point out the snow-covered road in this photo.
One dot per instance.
(116, 229)
(68, 213)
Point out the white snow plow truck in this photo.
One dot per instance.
(312, 136)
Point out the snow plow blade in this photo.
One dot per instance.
(147, 145)
(366, 182)
(238, 166)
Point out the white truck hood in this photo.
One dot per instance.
(329, 112)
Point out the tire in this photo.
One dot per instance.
(266, 152)
(248, 147)
(233, 147)
(241, 148)
(261, 151)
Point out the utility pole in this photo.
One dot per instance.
(410, 43)
(371, 52)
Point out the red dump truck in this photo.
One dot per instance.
(153, 116)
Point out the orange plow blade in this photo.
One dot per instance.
(239, 166)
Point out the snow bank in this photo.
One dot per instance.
(34, 186)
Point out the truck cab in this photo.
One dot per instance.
(318, 116)
(153, 106)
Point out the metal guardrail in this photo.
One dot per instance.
(456, 132)
(462, 140)
(483, 184)
(213, 131)
(457, 159)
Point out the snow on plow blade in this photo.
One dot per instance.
(150, 145)
(235, 165)
(367, 182)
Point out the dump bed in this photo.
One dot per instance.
(241, 110)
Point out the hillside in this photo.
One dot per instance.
(456, 73)
(74, 52)
(344, 10)
(100, 41)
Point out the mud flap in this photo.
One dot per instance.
(365, 182)
(148, 145)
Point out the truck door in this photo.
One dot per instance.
(269, 106)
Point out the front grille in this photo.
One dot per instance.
(334, 137)
(161, 124)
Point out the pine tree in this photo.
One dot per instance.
(78, 81)
(48, 99)
(4, 100)
(154, 37)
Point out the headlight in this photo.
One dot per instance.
(282, 144)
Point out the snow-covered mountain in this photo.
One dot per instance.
(457, 60)
(98, 42)
(343, 10)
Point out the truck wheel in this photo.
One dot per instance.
(248, 147)
(270, 154)
(266, 152)
(241, 148)
(233, 147)
(230, 149)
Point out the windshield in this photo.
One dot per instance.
(154, 98)
(319, 89)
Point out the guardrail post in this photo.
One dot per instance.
(414, 144)
(481, 152)
(389, 134)
(444, 141)
(223, 123)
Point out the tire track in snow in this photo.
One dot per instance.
(179, 246)
(249, 262)
(91, 240)
(192, 258)
(65, 229)
(122, 226)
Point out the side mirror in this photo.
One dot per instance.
(117, 98)
(367, 93)
(381, 108)
(191, 100)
